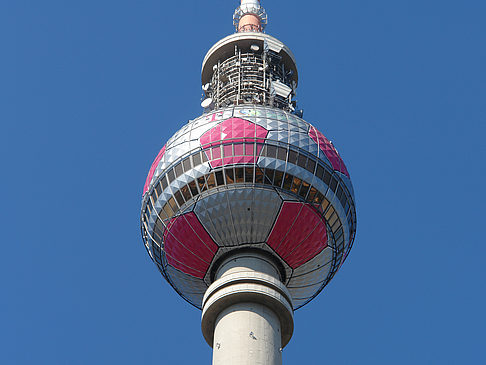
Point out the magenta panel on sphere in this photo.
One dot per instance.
(329, 150)
(188, 246)
(152, 169)
(299, 233)
(231, 134)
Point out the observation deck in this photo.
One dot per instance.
(249, 68)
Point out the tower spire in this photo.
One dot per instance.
(250, 16)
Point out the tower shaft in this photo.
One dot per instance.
(247, 312)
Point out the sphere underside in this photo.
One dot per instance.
(248, 178)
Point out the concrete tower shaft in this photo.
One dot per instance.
(247, 312)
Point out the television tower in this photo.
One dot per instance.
(248, 210)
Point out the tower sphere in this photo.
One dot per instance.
(249, 175)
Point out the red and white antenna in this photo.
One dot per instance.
(250, 16)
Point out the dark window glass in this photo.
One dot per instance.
(269, 176)
(153, 197)
(336, 225)
(339, 193)
(211, 181)
(258, 176)
(249, 174)
(162, 214)
(159, 228)
(302, 161)
(202, 184)
(157, 236)
(219, 177)
(230, 176)
(158, 188)
(196, 159)
(282, 154)
(287, 182)
(320, 171)
(204, 156)
(340, 243)
(325, 203)
(173, 204)
(170, 175)
(343, 200)
(193, 187)
(168, 210)
(179, 198)
(296, 185)
(312, 194)
(293, 157)
(163, 181)
(304, 189)
(239, 174)
(278, 178)
(263, 151)
(338, 234)
(311, 165)
(333, 184)
(327, 177)
(271, 151)
(330, 216)
(186, 193)
(187, 164)
(178, 170)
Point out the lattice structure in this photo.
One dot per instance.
(255, 77)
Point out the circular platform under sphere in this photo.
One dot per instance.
(248, 178)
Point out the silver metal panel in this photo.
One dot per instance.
(304, 291)
(192, 288)
(300, 123)
(214, 214)
(265, 208)
(322, 259)
(287, 197)
(313, 277)
(299, 302)
(239, 216)
(240, 203)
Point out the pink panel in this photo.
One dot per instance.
(298, 234)
(152, 170)
(239, 149)
(331, 153)
(233, 131)
(228, 150)
(188, 246)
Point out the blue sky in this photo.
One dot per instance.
(91, 90)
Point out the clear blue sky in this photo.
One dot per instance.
(91, 90)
